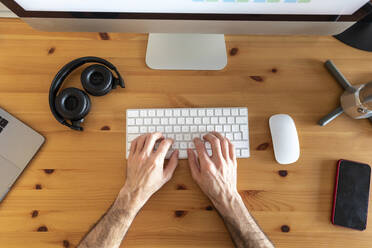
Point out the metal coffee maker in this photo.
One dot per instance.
(356, 101)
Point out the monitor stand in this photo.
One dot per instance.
(186, 52)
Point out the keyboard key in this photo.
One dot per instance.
(147, 121)
(177, 129)
(193, 112)
(131, 122)
(152, 129)
(164, 121)
(222, 120)
(179, 137)
(210, 112)
(152, 113)
(176, 145)
(227, 128)
(245, 153)
(237, 152)
(139, 121)
(185, 112)
(193, 129)
(133, 113)
(230, 120)
(160, 129)
(202, 129)
(218, 128)
(168, 113)
(197, 121)
(189, 121)
(160, 112)
(235, 112)
(237, 136)
(183, 154)
(206, 120)
(243, 111)
(187, 137)
(132, 137)
(201, 112)
(235, 128)
(143, 113)
(191, 145)
(170, 136)
(183, 145)
(210, 128)
(134, 129)
(244, 128)
(226, 112)
(214, 120)
(229, 136)
(240, 120)
(218, 112)
(207, 145)
(245, 135)
(209, 152)
(168, 129)
(240, 144)
(143, 129)
(177, 112)
(180, 120)
(156, 121)
(172, 121)
(185, 129)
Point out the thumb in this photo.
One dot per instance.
(171, 166)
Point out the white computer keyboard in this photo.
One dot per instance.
(185, 124)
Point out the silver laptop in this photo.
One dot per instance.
(18, 145)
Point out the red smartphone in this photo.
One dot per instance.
(351, 195)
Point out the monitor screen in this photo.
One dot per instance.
(272, 7)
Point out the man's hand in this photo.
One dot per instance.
(146, 172)
(215, 175)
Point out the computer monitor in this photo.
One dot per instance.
(188, 34)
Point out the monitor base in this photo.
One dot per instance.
(359, 35)
(186, 52)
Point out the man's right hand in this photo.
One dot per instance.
(216, 175)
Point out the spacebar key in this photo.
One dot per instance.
(241, 144)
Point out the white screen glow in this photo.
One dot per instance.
(311, 7)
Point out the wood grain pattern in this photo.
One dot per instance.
(269, 75)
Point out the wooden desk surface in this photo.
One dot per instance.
(76, 176)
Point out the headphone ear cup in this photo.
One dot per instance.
(97, 80)
(72, 104)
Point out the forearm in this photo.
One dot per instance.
(244, 230)
(113, 226)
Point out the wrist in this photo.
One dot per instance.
(229, 203)
(132, 201)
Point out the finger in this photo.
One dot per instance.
(151, 141)
(232, 152)
(133, 145)
(224, 144)
(172, 165)
(201, 150)
(215, 144)
(163, 148)
(193, 164)
(140, 143)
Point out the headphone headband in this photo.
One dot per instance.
(64, 72)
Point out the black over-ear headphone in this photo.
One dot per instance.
(74, 104)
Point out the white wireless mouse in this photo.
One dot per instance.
(285, 139)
